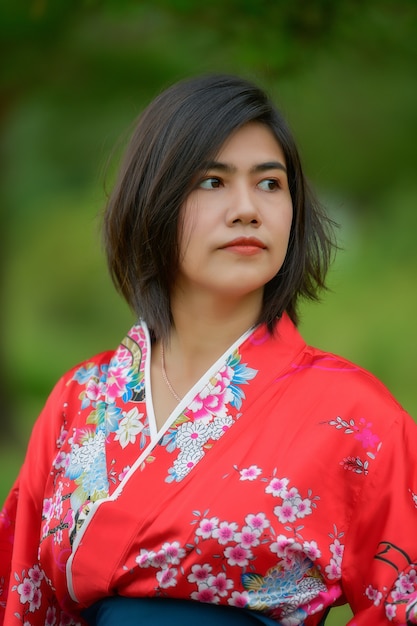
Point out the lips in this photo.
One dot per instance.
(246, 246)
(245, 242)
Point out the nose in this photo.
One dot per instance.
(243, 208)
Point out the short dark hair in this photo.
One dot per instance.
(185, 126)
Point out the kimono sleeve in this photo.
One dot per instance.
(380, 561)
(26, 595)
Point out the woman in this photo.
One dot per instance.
(214, 467)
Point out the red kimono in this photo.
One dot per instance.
(283, 482)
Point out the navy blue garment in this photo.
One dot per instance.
(162, 612)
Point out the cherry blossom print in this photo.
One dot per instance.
(248, 537)
(334, 568)
(220, 583)
(374, 595)
(26, 589)
(257, 522)
(205, 594)
(174, 552)
(239, 599)
(362, 432)
(50, 619)
(238, 555)
(225, 532)
(250, 473)
(145, 558)
(206, 527)
(167, 577)
(199, 573)
(278, 487)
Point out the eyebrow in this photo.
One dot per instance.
(229, 169)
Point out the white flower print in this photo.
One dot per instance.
(257, 522)
(220, 426)
(278, 487)
(35, 603)
(199, 573)
(26, 590)
(374, 595)
(186, 460)
(50, 619)
(239, 599)
(192, 435)
(238, 555)
(220, 583)
(129, 427)
(36, 575)
(167, 577)
(206, 527)
(250, 473)
(205, 594)
(225, 532)
(174, 553)
(247, 537)
(312, 550)
(145, 558)
(391, 611)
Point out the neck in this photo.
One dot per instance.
(204, 327)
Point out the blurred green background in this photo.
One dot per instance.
(73, 77)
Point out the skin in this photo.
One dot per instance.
(236, 227)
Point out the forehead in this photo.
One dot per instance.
(252, 140)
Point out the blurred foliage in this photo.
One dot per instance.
(73, 78)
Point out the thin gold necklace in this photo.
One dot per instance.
(165, 376)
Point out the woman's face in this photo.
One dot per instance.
(237, 219)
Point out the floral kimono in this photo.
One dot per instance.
(284, 482)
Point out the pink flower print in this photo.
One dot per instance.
(93, 389)
(312, 550)
(199, 573)
(220, 584)
(284, 546)
(167, 577)
(303, 507)
(374, 595)
(366, 436)
(287, 512)
(174, 553)
(60, 460)
(278, 487)
(62, 436)
(238, 599)
(257, 522)
(35, 603)
(205, 595)
(406, 583)
(250, 473)
(333, 570)
(225, 532)
(50, 619)
(48, 509)
(118, 379)
(159, 559)
(26, 589)
(390, 611)
(145, 558)
(212, 400)
(124, 472)
(36, 575)
(337, 549)
(238, 555)
(247, 538)
(206, 527)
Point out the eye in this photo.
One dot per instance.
(210, 183)
(269, 184)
